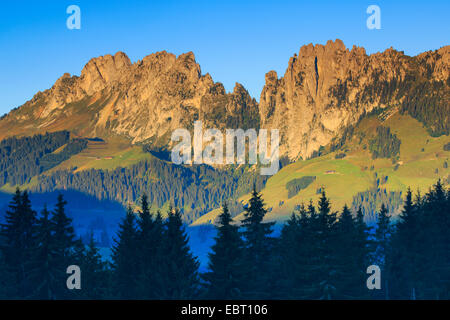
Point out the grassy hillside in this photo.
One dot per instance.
(419, 164)
(109, 154)
(99, 154)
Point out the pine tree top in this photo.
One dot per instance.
(225, 217)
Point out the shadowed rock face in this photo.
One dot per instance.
(324, 89)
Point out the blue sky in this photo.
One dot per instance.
(235, 41)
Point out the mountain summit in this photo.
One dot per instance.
(325, 89)
(328, 87)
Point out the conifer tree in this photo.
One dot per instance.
(28, 226)
(419, 265)
(19, 234)
(64, 245)
(11, 244)
(288, 247)
(308, 271)
(432, 259)
(95, 277)
(64, 233)
(349, 277)
(158, 258)
(79, 250)
(312, 210)
(362, 233)
(435, 244)
(309, 261)
(124, 257)
(148, 249)
(224, 279)
(404, 243)
(383, 235)
(325, 247)
(7, 288)
(259, 245)
(361, 253)
(44, 273)
(180, 272)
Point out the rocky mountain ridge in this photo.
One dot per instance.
(324, 89)
(328, 87)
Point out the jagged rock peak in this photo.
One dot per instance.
(328, 87)
(105, 66)
(144, 101)
(324, 89)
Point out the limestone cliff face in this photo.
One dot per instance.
(144, 101)
(324, 89)
(327, 87)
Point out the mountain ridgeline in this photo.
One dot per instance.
(325, 89)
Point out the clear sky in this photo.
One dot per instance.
(235, 41)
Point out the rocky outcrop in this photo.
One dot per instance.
(144, 101)
(324, 89)
(328, 87)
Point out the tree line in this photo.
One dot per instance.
(195, 190)
(368, 201)
(25, 157)
(319, 254)
(385, 144)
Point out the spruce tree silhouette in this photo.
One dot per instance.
(125, 259)
(258, 249)
(361, 253)
(95, 276)
(19, 241)
(44, 273)
(64, 245)
(180, 272)
(7, 284)
(158, 260)
(12, 244)
(383, 237)
(406, 236)
(290, 251)
(420, 262)
(326, 244)
(308, 268)
(150, 233)
(350, 273)
(224, 278)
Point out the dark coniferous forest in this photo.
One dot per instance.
(194, 190)
(23, 158)
(320, 253)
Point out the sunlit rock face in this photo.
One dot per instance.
(327, 87)
(324, 89)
